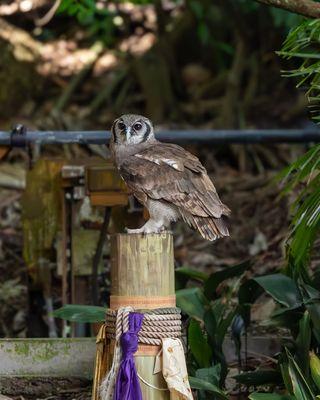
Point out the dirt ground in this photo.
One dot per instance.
(44, 389)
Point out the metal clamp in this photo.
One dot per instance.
(18, 136)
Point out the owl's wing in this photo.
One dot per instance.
(169, 173)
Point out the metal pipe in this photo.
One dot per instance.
(193, 136)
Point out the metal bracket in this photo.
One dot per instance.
(18, 136)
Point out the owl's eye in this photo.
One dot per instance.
(121, 126)
(137, 126)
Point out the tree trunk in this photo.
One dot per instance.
(308, 8)
(19, 78)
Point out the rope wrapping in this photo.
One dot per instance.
(109, 382)
(157, 324)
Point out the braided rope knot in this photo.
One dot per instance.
(157, 324)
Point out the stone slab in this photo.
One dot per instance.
(47, 357)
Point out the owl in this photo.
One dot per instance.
(168, 180)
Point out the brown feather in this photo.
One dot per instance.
(168, 173)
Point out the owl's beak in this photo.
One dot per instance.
(128, 133)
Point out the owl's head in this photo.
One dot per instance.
(131, 129)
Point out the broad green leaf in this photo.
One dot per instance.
(282, 288)
(192, 302)
(201, 384)
(184, 274)
(286, 318)
(192, 273)
(216, 278)
(198, 345)
(248, 293)
(80, 313)
(211, 374)
(259, 377)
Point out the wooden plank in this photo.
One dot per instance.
(4, 150)
(108, 199)
(101, 178)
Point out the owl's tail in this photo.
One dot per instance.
(210, 228)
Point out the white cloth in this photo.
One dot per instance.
(174, 369)
(109, 382)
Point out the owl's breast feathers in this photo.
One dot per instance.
(168, 173)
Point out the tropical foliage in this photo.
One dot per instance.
(297, 292)
(302, 45)
(304, 177)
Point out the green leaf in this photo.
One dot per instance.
(302, 44)
(197, 8)
(282, 288)
(270, 396)
(80, 313)
(300, 386)
(203, 32)
(248, 293)
(284, 368)
(303, 343)
(312, 303)
(192, 273)
(305, 224)
(315, 369)
(216, 278)
(286, 318)
(200, 384)
(224, 325)
(184, 274)
(198, 345)
(211, 375)
(210, 323)
(259, 377)
(192, 302)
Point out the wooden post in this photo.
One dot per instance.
(142, 276)
(4, 150)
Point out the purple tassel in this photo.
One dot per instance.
(127, 384)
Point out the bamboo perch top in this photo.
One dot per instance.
(142, 265)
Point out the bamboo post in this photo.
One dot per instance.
(142, 276)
